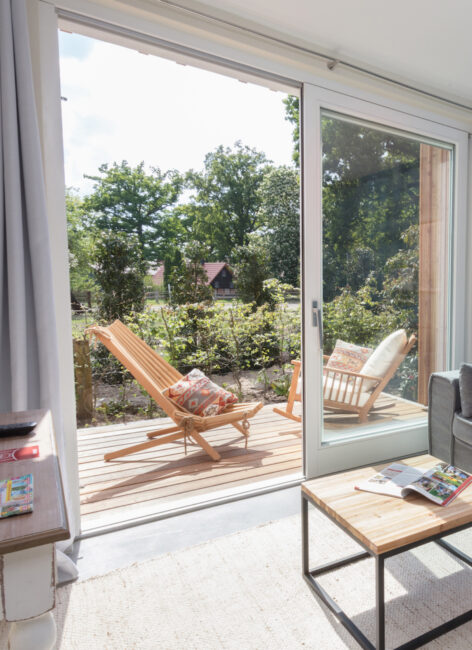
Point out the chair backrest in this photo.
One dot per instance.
(147, 366)
(395, 364)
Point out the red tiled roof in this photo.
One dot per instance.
(212, 269)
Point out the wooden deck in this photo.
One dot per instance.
(162, 478)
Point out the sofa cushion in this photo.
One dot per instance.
(382, 357)
(462, 429)
(465, 389)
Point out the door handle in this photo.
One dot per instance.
(317, 320)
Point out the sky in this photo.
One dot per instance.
(124, 105)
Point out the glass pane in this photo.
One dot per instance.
(386, 215)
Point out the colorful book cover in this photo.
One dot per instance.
(16, 496)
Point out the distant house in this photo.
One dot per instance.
(220, 277)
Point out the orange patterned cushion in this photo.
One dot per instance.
(347, 356)
(200, 395)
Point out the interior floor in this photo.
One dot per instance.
(103, 553)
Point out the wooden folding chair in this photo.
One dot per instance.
(155, 375)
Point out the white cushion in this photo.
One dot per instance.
(382, 357)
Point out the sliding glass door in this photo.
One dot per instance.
(378, 269)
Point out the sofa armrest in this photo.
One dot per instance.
(444, 401)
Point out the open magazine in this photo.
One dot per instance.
(440, 484)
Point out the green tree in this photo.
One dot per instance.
(80, 241)
(370, 197)
(227, 200)
(189, 280)
(172, 260)
(129, 200)
(252, 268)
(119, 271)
(280, 213)
(400, 286)
(292, 115)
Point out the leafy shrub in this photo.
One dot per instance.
(358, 317)
(405, 381)
(252, 268)
(217, 338)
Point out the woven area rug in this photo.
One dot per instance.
(245, 591)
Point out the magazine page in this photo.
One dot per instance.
(442, 483)
(392, 480)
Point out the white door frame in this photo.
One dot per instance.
(322, 458)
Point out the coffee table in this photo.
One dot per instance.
(384, 526)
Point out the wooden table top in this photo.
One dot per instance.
(384, 523)
(48, 521)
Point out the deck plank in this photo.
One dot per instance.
(154, 479)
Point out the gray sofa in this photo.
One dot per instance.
(450, 434)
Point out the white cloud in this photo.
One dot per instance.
(122, 105)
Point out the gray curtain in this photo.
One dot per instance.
(29, 362)
(29, 376)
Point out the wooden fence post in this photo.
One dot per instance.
(83, 379)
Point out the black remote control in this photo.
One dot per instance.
(16, 429)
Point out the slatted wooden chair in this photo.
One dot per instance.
(155, 375)
(352, 392)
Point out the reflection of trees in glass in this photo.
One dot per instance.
(370, 210)
(370, 222)
(370, 198)
(370, 234)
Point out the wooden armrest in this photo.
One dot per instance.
(326, 357)
(296, 362)
(352, 374)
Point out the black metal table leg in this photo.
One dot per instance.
(305, 548)
(318, 589)
(455, 551)
(380, 602)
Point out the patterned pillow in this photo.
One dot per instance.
(347, 356)
(200, 395)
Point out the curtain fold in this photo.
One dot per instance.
(29, 360)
